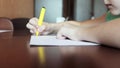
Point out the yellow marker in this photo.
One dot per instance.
(40, 20)
(41, 49)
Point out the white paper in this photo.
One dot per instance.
(51, 40)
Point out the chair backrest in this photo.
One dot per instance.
(20, 23)
(5, 24)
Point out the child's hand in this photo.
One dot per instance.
(70, 31)
(45, 29)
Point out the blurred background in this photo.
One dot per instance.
(79, 10)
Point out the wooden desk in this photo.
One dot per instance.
(15, 52)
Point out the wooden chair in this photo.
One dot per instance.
(5, 24)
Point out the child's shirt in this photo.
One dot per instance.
(110, 17)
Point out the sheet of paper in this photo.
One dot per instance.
(51, 40)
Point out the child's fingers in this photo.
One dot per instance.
(31, 27)
(34, 22)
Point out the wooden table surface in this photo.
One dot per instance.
(15, 52)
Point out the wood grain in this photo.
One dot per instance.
(16, 8)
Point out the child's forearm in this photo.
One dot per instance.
(107, 33)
